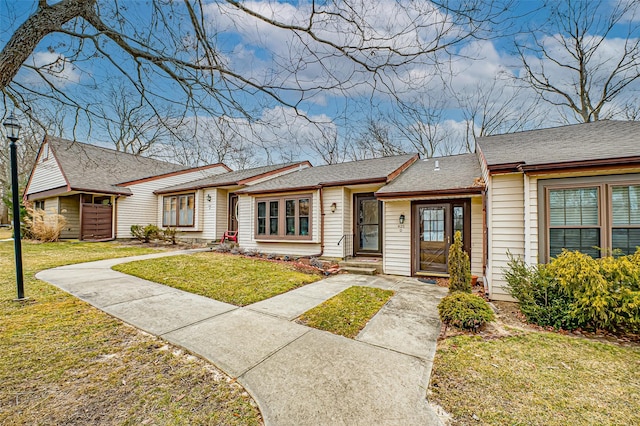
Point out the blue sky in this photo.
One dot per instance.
(479, 69)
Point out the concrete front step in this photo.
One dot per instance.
(363, 263)
(359, 271)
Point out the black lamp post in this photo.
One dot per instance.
(12, 126)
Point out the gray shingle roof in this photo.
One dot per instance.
(225, 179)
(456, 172)
(376, 169)
(93, 168)
(579, 142)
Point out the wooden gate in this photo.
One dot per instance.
(96, 222)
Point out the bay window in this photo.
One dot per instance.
(178, 210)
(284, 217)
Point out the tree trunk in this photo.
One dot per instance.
(46, 20)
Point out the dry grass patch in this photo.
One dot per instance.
(5, 233)
(224, 277)
(65, 362)
(536, 378)
(347, 312)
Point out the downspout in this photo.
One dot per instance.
(321, 199)
(485, 241)
(114, 229)
(527, 220)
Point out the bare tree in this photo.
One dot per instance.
(421, 123)
(376, 140)
(497, 107)
(131, 125)
(571, 62)
(175, 53)
(329, 146)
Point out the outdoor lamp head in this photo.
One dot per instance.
(12, 127)
(401, 219)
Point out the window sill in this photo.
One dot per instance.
(286, 240)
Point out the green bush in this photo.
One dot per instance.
(465, 311)
(575, 290)
(542, 300)
(459, 266)
(145, 234)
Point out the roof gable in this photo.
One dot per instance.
(96, 169)
(441, 175)
(239, 177)
(604, 141)
(381, 170)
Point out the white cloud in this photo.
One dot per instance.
(55, 67)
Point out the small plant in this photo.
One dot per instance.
(169, 235)
(146, 233)
(316, 263)
(459, 266)
(44, 227)
(224, 247)
(272, 256)
(465, 311)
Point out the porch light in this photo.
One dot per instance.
(401, 219)
(334, 206)
(12, 127)
(209, 197)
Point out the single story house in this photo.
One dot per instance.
(530, 193)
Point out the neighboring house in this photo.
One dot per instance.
(531, 193)
(102, 192)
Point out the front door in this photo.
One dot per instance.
(434, 227)
(368, 220)
(233, 212)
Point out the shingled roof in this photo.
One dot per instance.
(454, 174)
(377, 170)
(605, 142)
(232, 178)
(92, 168)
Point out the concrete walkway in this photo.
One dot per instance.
(296, 374)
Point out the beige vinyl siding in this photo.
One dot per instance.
(69, 207)
(246, 225)
(145, 207)
(51, 205)
(506, 228)
(476, 236)
(222, 212)
(46, 175)
(215, 214)
(333, 222)
(396, 243)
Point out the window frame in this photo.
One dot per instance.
(605, 185)
(282, 218)
(177, 198)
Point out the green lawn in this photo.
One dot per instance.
(227, 278)
(347, 312)
(64, 362)
(537, 378)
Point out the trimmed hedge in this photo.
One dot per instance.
(465, 311)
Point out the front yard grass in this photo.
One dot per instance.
(65, 362)
(537, 378)
(227, 278)
(347, 312)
